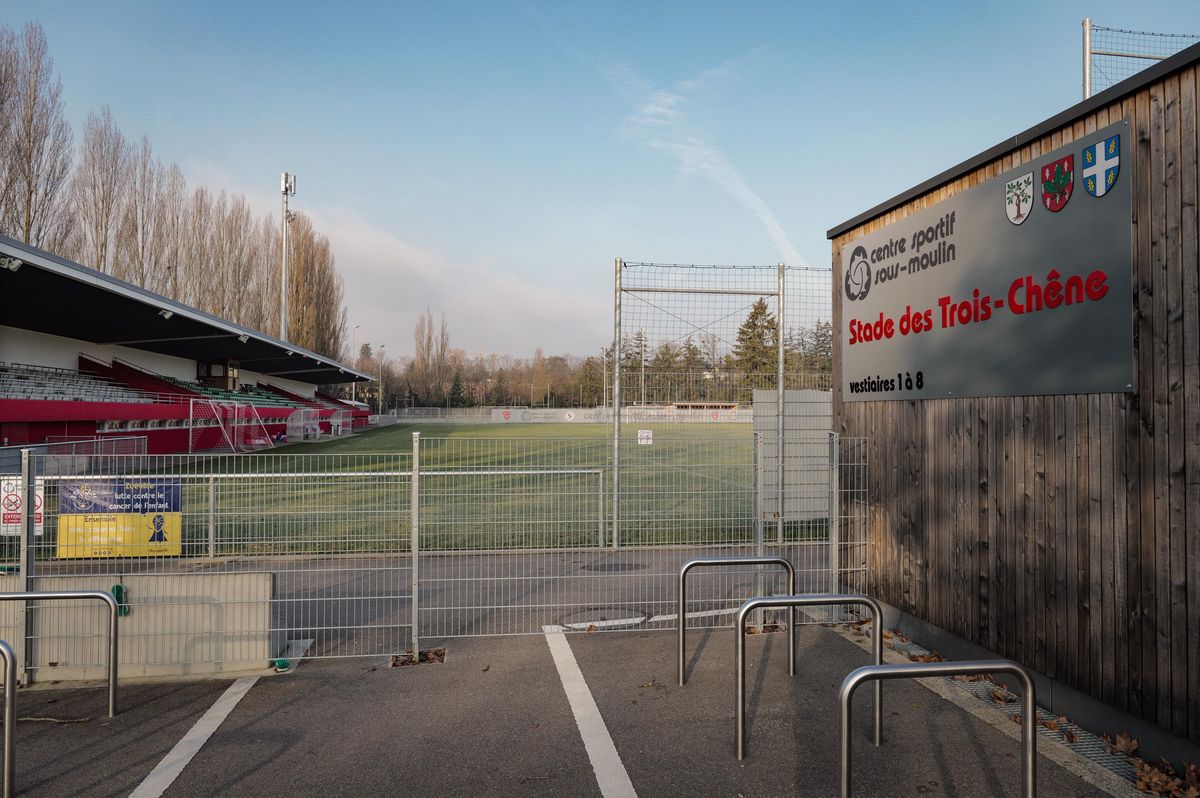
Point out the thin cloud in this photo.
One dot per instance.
(390, 282)
(662, 122)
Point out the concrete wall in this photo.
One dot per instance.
(39, 349)
(178, 625)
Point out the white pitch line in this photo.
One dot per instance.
(640, 619)
(166, 771)
(611, 776)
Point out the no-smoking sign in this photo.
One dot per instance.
(12, 500)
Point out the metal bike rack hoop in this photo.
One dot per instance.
(913, 670)
(10, 713)
(719, 562)
(808, 600)
(94, 595)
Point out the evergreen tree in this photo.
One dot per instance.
(458, 392)
(755, 353)
(498, 393)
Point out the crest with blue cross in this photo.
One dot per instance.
(1101, 163)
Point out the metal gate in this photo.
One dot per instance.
(516, 535)
(230, 562)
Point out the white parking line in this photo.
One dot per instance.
(606, 762)
(638, 620)
(166, 771)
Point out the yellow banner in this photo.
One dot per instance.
(119, 535)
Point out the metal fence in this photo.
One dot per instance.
(1110, 55)
(228, 561)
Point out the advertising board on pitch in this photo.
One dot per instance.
(1020, 286)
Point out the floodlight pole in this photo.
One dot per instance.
(287, 187)
(353, 344)
(380, 403)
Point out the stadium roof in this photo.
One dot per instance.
(52, 295)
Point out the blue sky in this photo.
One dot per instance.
(492, 159)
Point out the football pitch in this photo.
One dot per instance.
(480, 487)
(498, 486)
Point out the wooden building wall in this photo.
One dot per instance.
(1064, 531)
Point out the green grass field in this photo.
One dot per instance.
(482, 487)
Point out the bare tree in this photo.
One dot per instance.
(98, 191)
(428, 375)
(196, 265)
(315, 291)
(39, 148)
(140, 240)
(172, 213)
(8, 102)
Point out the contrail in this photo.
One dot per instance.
(661, 123)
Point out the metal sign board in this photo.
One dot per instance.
(1020, 286)
(12, 504)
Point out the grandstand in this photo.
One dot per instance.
(85, 355)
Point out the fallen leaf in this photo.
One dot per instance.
(1052, 725)
(1002, 697)
(1126, 743)
(591, 628)
(1070, 736)
(1158, 779)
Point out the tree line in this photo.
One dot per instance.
(112, 204)
(698, 369)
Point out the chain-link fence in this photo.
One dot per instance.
(1110, 55)
(226, 562)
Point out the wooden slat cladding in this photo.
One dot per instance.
(1064, 531)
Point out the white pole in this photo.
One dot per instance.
(616, 394)
(1087, 57)
(780, 355)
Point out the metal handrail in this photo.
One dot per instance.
(911, 670)
(808, 600)
(711, 562)
(10, 713)
(97, 595)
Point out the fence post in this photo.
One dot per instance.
(780, 436)
(212, 516)
(616, 355)
(759, 547)
(414, 542)
(600, 511)
(758, 487)
(834, 512)
(28, 558)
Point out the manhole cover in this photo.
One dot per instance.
(614, 566)
(595, 619)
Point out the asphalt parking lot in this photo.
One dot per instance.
(508, 716)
